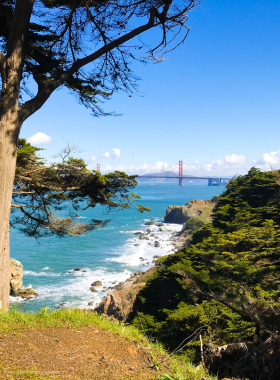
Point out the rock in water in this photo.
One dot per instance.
(157, 244)
(77, 270)
(26, 293)
(143, 237)
(96, 283)
(16, 269)
(93, 289)
(150, 224)
(163, 229)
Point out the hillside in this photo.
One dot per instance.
(78, 344)
(223, 288)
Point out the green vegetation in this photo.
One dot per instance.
(15, 320)
(195, 223)
(224, 286)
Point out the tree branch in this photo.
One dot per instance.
(18, 206)
(49, 187)
(47, 86)
(112, 45)
(2, 59)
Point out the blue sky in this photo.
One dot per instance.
(213, 103)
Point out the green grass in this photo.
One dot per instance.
(15, 321)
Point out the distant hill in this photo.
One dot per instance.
(146, 177)
(161, 174)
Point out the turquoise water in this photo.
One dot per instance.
(107, 254)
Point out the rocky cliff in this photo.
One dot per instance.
(16, 270)
(119, 303)
(194, 208)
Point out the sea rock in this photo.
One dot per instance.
(96, 283)
(143, 237)
(157, 244)
(156, 257)
(138, 233)
(150, 224)
(160, 224)
(119, 304)
(148, 231)
(16, 274)
(16, 270)
(152, 235)
(26, 293)
(91, 303)
(194, 208)
(77, 270)
(163, 229)
(136, 245)
(93, 289)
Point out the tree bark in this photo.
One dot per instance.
(11, 74)
(9, 130)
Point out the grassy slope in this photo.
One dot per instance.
(15, 321)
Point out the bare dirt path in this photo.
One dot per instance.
(75, 353)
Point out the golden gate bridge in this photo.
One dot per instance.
(212, 181)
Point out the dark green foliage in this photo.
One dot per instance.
(249, 200)
(225, 284)
(193, 224)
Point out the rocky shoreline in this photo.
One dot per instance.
(158, 238)
(119, 303)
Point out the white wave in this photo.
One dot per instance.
(76, 291)
(32, 273)
(140, 255)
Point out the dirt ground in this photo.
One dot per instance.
(75, 353)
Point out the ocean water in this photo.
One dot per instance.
(107, 254)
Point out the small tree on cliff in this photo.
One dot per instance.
(51, 42)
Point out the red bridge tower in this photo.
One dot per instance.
(181, 173)
(98, 167)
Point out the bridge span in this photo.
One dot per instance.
(212, 181)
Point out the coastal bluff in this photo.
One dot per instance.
(193, 209)
(16, 275)
(120, 303)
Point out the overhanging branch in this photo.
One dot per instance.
(2, 59)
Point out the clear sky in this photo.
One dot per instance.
(213, 103)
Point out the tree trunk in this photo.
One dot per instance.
(9, 131)
(11, 75)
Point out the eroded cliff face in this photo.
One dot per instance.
(194, 208)
(16, 275)
(16, 269)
